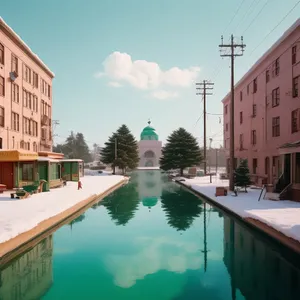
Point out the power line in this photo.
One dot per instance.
(275, 26)
(257, 15)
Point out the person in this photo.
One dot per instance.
(79, 185)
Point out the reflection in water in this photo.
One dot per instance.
(181, 208)
(122, 204)
(258, 271)
(29, 276)
(77, 220)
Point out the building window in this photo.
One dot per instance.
(295, 120)
(254, 85)
(275, 68)
(267, 76)
(241, 95)
(1, 54)
(27, 170)
(49, 91)
(44, 133)
(248, 89)
(226, 127)
(226, 109)
(27, 74)
(275, 97)
(254, 165)
(294, 54)
(35, 80)
(15, 93)
(296, 86)
(241, 141)
(15, 121)
(1, 144)
(2, 116)
(241, 117)
(35, 103)
(254, 110)
(253, 137)
(14, 63)
(276, 126)
(2, 86)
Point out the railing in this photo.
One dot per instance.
(285, 191)
(262, 189)
(281, 184)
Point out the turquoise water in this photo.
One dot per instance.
(152, 240)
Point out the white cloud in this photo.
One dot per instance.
(115, 84)
(156, 254)
(145, 75)
(162, 94)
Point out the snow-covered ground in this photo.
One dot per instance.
(18, 216)
(284, 216)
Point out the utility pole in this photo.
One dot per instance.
(204, 87)
(232, 46)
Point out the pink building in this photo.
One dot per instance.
(267, 116)
(25, 95)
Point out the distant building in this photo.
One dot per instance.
(149, 148)
(267, 115)
(216, 158)
(25, 95)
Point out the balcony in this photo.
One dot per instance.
(44, 120)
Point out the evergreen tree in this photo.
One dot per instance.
(242, 175)
(122, 204)
(75, 146)
(126, 155)
(181, 151)
(181, 208)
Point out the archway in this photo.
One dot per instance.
(149, 154)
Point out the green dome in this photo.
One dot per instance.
(150, 201)
(149, 133)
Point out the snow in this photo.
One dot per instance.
(20, 215)
(280, 215)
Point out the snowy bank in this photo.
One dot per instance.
(18, 216)
(284, 216)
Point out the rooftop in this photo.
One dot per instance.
(10, 32)
(284, 36)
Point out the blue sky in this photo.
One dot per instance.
(126, 61)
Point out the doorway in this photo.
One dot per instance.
(7, 174)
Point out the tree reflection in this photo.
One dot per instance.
(122, 204)
(181, 208)
(77, 220)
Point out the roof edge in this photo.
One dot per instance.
(275, 45)
(26, 48)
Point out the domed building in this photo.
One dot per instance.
(149, 148)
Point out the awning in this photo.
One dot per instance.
(17, 155)
(288, 148)
(48, 159)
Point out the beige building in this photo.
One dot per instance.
(25, 95)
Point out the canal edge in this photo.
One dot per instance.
(263, 228)
(29, 239)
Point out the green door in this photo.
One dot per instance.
(43, 170)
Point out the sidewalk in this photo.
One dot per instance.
(18, 216)
(283, 216)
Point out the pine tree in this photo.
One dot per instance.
(181, 151)
(75, 147)
(242, 175)
(126, 156)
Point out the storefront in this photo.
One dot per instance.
(49, 167)
(72, 169)
(18, 168)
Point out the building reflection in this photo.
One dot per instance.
(149, 187)
(257, 270)
(29, 276)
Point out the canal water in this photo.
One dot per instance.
(152, 239)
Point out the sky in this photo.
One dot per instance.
(123, 62)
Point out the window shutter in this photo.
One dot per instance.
(298, 119)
